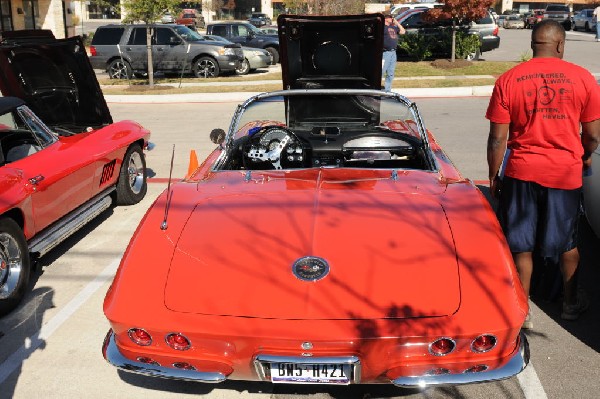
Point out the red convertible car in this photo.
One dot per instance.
(326, 240)
(62, 159)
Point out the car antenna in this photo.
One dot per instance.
(164, 225)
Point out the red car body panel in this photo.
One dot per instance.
(73, 170)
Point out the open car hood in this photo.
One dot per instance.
(324, 52)
(54, 77)
(390, 255)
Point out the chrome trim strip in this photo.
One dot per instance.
(69, 224)
(517, 363)
(111, 353)
(351, 360)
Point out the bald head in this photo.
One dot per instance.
(548, 39)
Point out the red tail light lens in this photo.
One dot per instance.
(484, 343)
(178, 342)
(496, 30)
(93, 51)
(442, 347)
(140, 336)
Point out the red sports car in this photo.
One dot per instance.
(62, 160)
(327, 240)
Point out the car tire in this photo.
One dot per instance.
(15, 265)
(244, 67)
(119, 69)
(132, 184)
(274, 53)
(587, 27)
(206, 67)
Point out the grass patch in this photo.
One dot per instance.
(273, 79)
(425, 68)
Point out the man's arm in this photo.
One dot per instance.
(496, 146)
(402, 30)
(590, 139)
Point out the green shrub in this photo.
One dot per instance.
(416, 46)
(422, 47)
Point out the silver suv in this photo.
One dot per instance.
(559, 13)
(121, 50)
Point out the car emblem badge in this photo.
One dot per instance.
(310, 268)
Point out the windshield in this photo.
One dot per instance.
(188, 34)
(332, 128)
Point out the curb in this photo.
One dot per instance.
(442, 92)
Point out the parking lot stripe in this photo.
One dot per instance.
(531, 384)
(34, 341)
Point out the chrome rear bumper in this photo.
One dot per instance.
(111, 353)
(517, 363)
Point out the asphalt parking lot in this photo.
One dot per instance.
(50, 346)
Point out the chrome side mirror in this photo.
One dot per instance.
(217, 136)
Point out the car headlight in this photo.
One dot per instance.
(227, 51)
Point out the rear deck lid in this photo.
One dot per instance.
(387, 255)
(320, 52)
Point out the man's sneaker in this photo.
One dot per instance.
(528, 323)
(572, 312)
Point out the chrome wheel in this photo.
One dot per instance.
(135, 171)
(119, 69)
(206, 67)
(244, 68)
(11, 265)
(132, 184)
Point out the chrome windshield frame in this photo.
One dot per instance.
(241, 108)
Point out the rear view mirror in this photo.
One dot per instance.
(217, 136)
(174, 41)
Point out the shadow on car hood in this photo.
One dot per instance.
(390, 255)
(54, 77)
(321, 52)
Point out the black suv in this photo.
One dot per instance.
(121, 50)
(485, 28)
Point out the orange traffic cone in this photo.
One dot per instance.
(193, 164)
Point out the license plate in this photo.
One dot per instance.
(311, 373)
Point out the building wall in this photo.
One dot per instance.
(49, 16)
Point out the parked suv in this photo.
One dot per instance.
(247, 35)
(259, 19)
(121, 51)
(559, 13)
(485, 28)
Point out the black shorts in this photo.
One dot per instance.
(535, 217)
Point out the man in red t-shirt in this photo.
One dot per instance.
(536, 113)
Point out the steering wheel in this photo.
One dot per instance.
(269, 144)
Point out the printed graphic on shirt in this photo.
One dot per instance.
(391, 30)
(545, 93)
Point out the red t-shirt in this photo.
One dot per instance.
(544, 100)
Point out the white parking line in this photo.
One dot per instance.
(33, 342)
(530, 383)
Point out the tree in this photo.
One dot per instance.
(341, 7)
(148, 12)
(460, 12)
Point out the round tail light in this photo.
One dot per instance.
(442, 347)
(483, 343)
(178, 342)
(140, 336)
